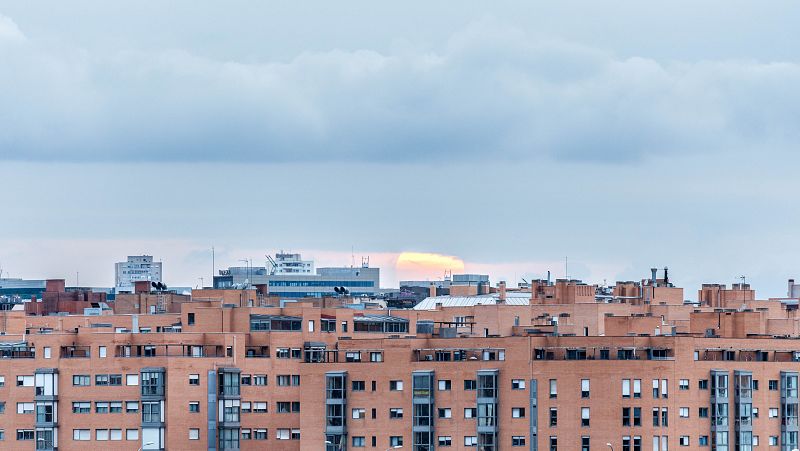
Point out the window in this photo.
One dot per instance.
(683, 412)
(626, 388)
(194, 379)
(637, 388)
(353, 356)
(553, 417)
(755, 412)
(101, 434)
(25, 407)
(259, 434)
(115, 407)
(194, 407)
(359, 413)
(553, 443)
(395, 385)
(772, 385)
(684, 440)
(47, 352)
(284, 407)
(131, 406)
(773, 440)
(359, 442)
(517, 412)
(246, 407)
(702, 384)
(358, 386)
(445, 440)
(585, 416)
(131, 379)
(470, 384)
(131, 434)
(664, 417)
(470, 440)
(81, 380)
(194, 434)
(151, 412)
(584, 388)
(282, 353)
(283, 380)
(395, 413)
(445, 412)
(518, 384)
(260, 379)
(553, 388)
(245, 379)
(283, 434)
(518, 440)
(626, 417)
(444, 385)
(755, 440)
(2, 381)
(80, 434)
(376, 356)
(683, 384)
(702, 440)
(470, 412)
(396, 440)
(26, 381)
(295, 380)
(702, 412)
(260, 407)
(773, 412)
(2, 407)
(115, 434)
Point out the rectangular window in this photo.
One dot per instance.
(773, 412)
(683, 412)
(517, 412)
(445, 440)
(626, 388)
(260, 379)
(470, 384)
(584, 416)
(470, 440)
(101, 434)
(131, 434)
(194, 407)
(518, 440)
(553, 417)
(702, 384)
(444, 385)
(194, 379)
(518, 384)
(359, 413)
(194, 434)
(553, 388)
(358, 386)
(637, 388)
(81, 380)
(683, 384)
(131, 379)
(395, 413)
(359, 442)
(81, 434)
(131, 406)
(584, 388)
(395, 385)
(470, 412)
(445, 412)
(47, 352)
(684, 440)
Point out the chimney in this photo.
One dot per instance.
(791, 288)
(432, 290)
(55, 286)
(666, 276)
(502, 288)
(653, 276)
(141, 286)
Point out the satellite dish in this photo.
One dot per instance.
(336, 289)
(153, 284)
(163, 286)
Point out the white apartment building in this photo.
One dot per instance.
(137, 267)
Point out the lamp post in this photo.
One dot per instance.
(394, 447)
(146, 444)
(609, 445)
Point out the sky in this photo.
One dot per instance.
(493, 137)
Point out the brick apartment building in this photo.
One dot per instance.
(634, 369)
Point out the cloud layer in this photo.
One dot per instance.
(490, 91)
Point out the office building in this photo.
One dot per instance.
(136, 268)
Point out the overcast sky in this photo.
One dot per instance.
(506, 135)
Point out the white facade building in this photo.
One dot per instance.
(137, 267)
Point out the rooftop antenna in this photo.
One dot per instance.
(566, 268)
(213, 262)
(352, 257)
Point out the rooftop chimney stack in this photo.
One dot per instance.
(432, 290)
(653, 276)
(791, 289)
(502, 288)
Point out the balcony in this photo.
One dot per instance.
(76, 352)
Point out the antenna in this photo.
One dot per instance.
(213, 262)
(352, 257)
(566, 268)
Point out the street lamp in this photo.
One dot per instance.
(394, 447)
(609, 445)
(146, 444)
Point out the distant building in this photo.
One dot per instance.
(284, 263)
(359, 281)
(137, 267)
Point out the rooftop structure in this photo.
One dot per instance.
(136, 268)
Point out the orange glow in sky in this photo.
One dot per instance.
(426, 266)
